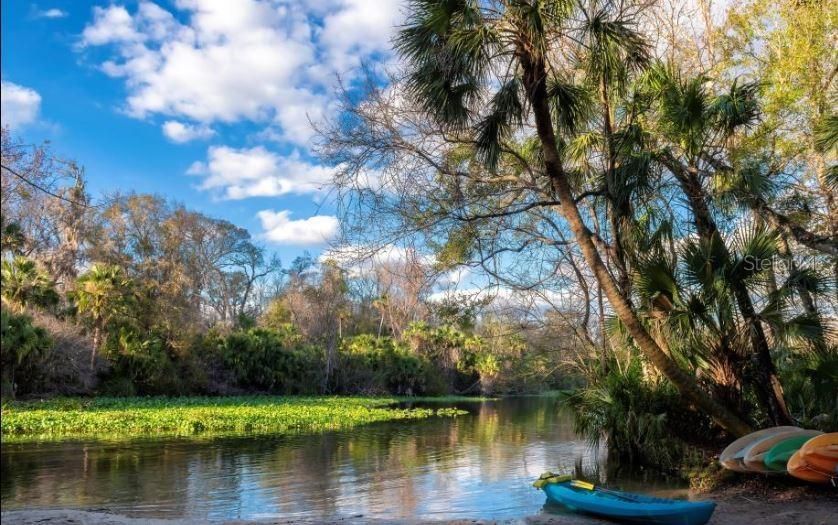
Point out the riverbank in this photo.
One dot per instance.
(116, 418)
(795, 506)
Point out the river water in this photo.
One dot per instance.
(476, 466)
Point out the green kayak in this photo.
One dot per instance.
(778, 455)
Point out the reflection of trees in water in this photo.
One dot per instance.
(78, 476)
(385, 468)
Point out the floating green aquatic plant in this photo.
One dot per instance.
(135, 417)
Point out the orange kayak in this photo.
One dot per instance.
(821, 453)
(799, 468)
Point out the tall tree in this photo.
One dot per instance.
(790, 46)
(699, 127)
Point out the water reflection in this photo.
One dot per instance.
(480, 465)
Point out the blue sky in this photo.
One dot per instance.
(207, 102)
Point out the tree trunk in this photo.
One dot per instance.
(534, 82)
(97, 333)
(620, 215)
(827, 244)
(603, 333)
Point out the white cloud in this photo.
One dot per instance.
(20, 105)
(360, 29)
(503, 298)
(51, 13)
(112, 24)
(180, 132)
(364, 260)
(455, 277)
(258, 172)
(268, 61)
(280, 229)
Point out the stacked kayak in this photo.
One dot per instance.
(778, 456)
(817, 459)
(754, 455)
(733, 457)
(584, 497)
(810, 455)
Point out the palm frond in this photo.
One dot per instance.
(571, 103)
(755, 248)
(748, 183)
(582, 144)
(806, 327)
(506, 110)
(831, 177)
(655, 281)
(704, 262)
(807, 279)
(736, 108)
(826, 133)
(449, 45)
(535, 19)
(615, 47)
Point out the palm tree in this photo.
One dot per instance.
(103, 294)
(614, 55)
(381, 304)
(24, 284)
(687, 295)
(696, 125)
(457, 51)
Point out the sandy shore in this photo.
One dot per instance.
(748, 505)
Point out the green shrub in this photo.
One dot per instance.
(25, 284)
(379, 365)
(811, 388)
(114, 385)
(452, 353)
(643, 420)
(139, 364)
(24, 348)
(271, 360)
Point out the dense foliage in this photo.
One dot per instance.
(174, 302)
(24, 350)
(643, 421)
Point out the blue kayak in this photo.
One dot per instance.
(624, 506)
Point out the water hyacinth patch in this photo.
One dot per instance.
(121, 418)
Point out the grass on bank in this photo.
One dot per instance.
(116, 418)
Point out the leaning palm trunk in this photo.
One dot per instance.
(535, 86)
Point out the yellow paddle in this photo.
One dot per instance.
(549, 477)
(590, 486)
